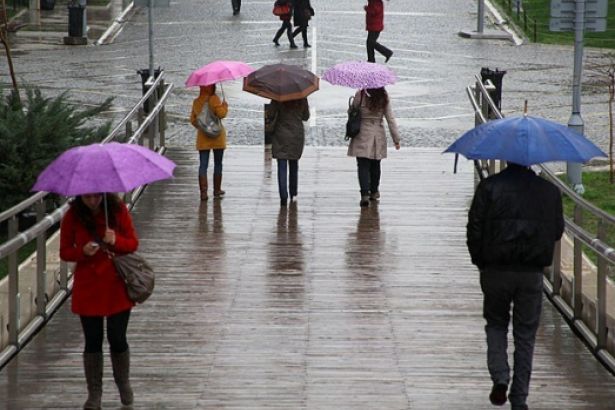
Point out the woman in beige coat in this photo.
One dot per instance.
(370, 145)
(205, 144)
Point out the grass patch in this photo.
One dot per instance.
(533, 19)
(601, 193)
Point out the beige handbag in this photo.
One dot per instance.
(137, 274)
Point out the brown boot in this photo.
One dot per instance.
(218, 192)
(203, 187)
(121, 375)
(93, 366)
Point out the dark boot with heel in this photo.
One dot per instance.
(121, 375)
(93, 367)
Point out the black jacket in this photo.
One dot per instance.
(302, 12)
(515, 219)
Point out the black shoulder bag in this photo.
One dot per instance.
(353, 124)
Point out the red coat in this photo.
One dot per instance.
(97, 288)
(374, 15)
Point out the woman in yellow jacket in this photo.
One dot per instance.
(205, 144)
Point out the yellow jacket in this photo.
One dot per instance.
(220, 108)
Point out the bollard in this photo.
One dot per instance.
(76, 25)
(496, 78)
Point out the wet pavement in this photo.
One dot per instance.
(433, 63)
(318, 305)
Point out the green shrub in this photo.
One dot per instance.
(34, 132)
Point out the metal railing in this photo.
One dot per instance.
(150, 130)
(586, 311)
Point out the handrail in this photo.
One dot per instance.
(588, 316)
(150, 127)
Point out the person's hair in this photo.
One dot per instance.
(86, 217)
(378, 98)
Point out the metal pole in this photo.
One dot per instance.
(573, 169)
(481, 16)
(150, 19)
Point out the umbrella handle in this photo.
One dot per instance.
(106, 212)
(222, 89)
(456, 161)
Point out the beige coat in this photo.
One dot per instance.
(220, 108)
(371, 141)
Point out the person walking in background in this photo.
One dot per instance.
(513, 224)
(205, 144)
(302, 12)
(287, 142)
(374, 24)
(370, 145)
(286, 25)
(236, 6)
(98, 291)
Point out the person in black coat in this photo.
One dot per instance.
(514, 223)
(302, 12)
(236, 6)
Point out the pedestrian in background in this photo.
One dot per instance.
(98, 291)
(302, 12)
(287, 142)
(286, 25)
(374, 24)
(205, 144)
(236, 6)
(370, 145)
(513, 225)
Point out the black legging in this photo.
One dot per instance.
(303, 31)
(116, 332)
(285, 26)
(372, 43)
(369, 175)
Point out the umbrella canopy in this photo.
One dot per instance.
(525, 140)
(281, 82)
(218, 71)
(112, 167)
(359, 75)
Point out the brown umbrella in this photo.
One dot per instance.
(281, 82)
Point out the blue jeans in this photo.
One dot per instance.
(288, 169)
(204, 161)
(524, 291)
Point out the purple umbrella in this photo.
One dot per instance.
(360, 75)
(111, 167)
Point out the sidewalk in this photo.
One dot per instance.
(46, 29)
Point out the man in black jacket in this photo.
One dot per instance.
(514, 222)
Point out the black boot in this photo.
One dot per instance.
(93, 367)
(121, 375)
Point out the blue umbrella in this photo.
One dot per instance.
(526, 141)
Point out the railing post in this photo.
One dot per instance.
(577, 300)
(128, 130)
(162, 117)
(41, 263)
(601, 323)
(13, 286)
(63, 276)
(556, 272)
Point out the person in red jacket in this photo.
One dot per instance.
(374, 24)
(98, 291)
(286, 25)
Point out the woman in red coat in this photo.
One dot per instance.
(98, 291)
(374, 24)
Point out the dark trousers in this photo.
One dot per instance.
(369, 175)
(303, 31)
(288, 169)
(204, 161)
(236, 5)
(372, 43)
(524, 291)
(116, 332)
(286, 26)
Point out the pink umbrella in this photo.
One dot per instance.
(359, 75)
(218, 71)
